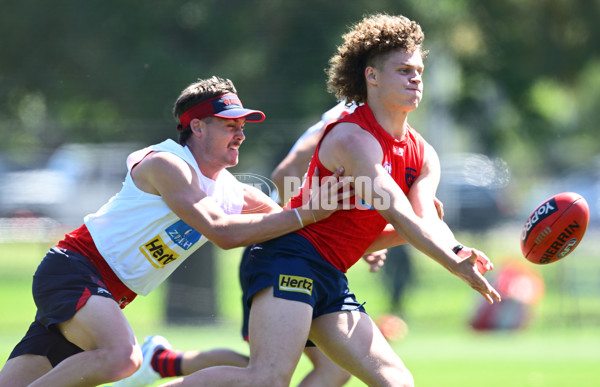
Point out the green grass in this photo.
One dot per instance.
(560, 347)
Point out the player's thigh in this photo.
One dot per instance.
(100, 323)
(278, 330)
(23, 370)
(353, 341)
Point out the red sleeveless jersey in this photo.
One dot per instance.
(343, 238)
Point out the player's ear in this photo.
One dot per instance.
(371, 75)
(197, 126)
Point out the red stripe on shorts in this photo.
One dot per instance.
(83, 299)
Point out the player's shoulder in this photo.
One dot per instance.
(161, 158)
(349, 131)
(349, 138)
(163, 163)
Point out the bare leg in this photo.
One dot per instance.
(325, 373)
(198, 360)
(353, 341)
(23, 370)
(278, 332)
(111, 351)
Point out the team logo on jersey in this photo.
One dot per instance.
(388, 167)
(183, 235)
(292, 283)
(158, 253)
(398, 150)
(410, 174)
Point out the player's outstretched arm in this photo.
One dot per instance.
(420, 195)
(390, 238)
(167, 175)
(349, 145)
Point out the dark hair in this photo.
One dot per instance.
(366, 44)
(195, 93)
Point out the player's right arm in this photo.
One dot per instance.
(166, 175)
(360, 153)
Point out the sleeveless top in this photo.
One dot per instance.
(343, 238)
(138, 235)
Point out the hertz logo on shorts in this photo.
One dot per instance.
(292, 283)
(158, 253)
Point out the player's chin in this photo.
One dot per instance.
(233, 160)
(413, 103)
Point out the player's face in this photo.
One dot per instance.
(399, 79)
(223, 140)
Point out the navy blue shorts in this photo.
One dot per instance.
(296, 271)
(62, 283)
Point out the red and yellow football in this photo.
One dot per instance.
(555, 228)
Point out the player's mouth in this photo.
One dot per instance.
(235, 146)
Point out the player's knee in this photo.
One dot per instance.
(391, 375)
(123, 361)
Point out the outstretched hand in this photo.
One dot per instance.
(471, 269)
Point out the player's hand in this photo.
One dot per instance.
(471, 268)
(329, 195)
(483, 263)
(376, 260)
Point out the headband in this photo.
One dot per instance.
(223, 106)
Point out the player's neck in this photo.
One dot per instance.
(395, 122)
(209, 166)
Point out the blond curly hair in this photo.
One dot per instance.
(366, 44)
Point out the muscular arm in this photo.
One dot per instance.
(421, 196)
(360, 153)
(390, 238)
(167, 175)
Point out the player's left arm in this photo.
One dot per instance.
(390, 238)
(422, 198)
(422, 193)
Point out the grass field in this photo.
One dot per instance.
(560, 347)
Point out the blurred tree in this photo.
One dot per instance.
(529, 70)
(523, 64)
